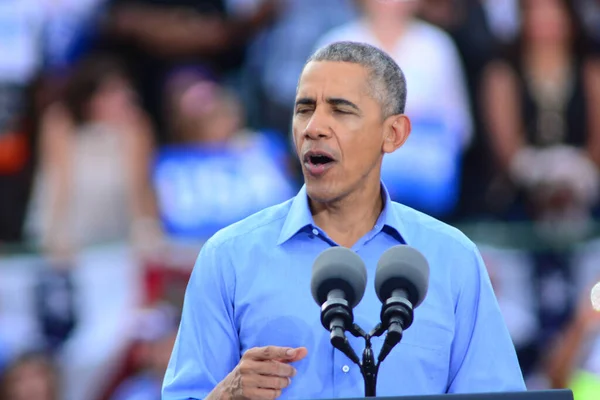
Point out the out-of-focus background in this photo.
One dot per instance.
(132, 130)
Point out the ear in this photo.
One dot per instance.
(397, 129)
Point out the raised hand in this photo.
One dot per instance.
(262, 373)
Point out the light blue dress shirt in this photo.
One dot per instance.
(250, 287)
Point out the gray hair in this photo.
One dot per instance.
(388, 82)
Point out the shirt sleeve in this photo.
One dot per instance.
(207, 347)
(483, 355)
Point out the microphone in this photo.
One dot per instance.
(401, 284)
(338, 282)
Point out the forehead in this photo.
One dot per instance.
(328, 78)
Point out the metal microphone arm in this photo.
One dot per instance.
(337, 317)
(369, 369)
(340, 341)
(369, 366)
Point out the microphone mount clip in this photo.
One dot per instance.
(337, 317)
(396, 316)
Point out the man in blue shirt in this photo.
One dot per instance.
(250, 328)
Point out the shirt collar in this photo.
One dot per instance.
(299, 217)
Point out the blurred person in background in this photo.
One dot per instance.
(39, 39)
(574, 361)
(425, 173)
(92, 187)
(218, 171)
(276, 57)
(540, 103)
(504, 17)
(467, 24)
(31, 376)
(201, 111)
(155, 338)
(156, 36)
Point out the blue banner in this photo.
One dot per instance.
(202, 189)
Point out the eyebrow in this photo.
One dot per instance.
(335, 101)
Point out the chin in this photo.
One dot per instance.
(321, 192)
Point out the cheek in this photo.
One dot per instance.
(369, 139)
(352, 124)
(361, 149)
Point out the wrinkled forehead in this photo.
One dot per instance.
(321, 79)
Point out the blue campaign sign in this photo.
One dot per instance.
(202, 189)
(425, 172)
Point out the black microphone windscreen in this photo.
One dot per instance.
(339, 268)
(402, 267)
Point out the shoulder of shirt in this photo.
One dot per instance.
(422, 31)
(269, 219)
(417, 222)
(437, 38)
(431, 32)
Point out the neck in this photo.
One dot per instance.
(547, 55)
(350, 218)
(547, 63)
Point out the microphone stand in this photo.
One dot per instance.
(336, 315)
(369, 368)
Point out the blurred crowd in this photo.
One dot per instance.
(132, 130)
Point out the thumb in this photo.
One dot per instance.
(299, 354)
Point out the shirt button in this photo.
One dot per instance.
(315, 232)
(345, 369)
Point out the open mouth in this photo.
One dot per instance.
(319, 159)
(318, 163)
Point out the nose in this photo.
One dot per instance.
(317, 127)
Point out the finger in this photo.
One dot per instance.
(301, 352)
(253, 381)
(248, 366)
(271, 353)
(270, 382)
(262, 394)
(274, 368)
